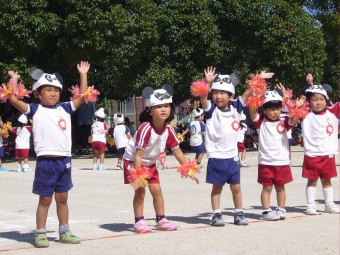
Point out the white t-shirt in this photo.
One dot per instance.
(98, 131)
(273, 140)
(221, 130)
(52, 128)
(153, 143)
(120, 133)
(320, 132)
(22, 141)
(197, 129)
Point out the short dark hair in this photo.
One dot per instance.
(272, 104)
(145, 116)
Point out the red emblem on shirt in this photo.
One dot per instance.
(329, 129)
(280, 128)
(62, 124)
(235, 125)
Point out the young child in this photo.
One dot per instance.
(240, 139)
(52, 144)
(274, 163)
(149, 143)
(99, 132)
(197, 129)
(320, 141)
(222, 124)
(121, 136)
(22, 143)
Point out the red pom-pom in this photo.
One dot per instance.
(199, 88)
(138, 177)
(189, 170)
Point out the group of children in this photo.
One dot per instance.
(223, 116)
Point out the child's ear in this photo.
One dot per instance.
(36, 93)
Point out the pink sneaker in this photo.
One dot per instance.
(141, 227)
(165, 225)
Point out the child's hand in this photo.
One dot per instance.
(210, 74)
(265, 75)
(14, 76)
(281, 87)
(83, 67)
(300, 101)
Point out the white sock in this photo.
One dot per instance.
(216, 211)
(19, 165)
(310, 194)
(328, 194)
(26, 166)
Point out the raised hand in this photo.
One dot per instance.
(210, 74)
(83, 67)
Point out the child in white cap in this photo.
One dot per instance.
(274, 162)
(320, 139)
(22, 143)
(99, 132)
(52, 144)
(197, 129)
(121, 136)
(149, 143)
(222, 123)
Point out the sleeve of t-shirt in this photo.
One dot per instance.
(257, 121)
(202, 125)
(14, 130)
(29, 128)
(68, 107)
(335, 109)
(127, 130)
(106, 128)
(238, 104)
(172, 142)
(209, 110)
(143, 136)
(32, 109)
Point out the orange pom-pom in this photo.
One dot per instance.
(199, 88)
(138, 177)
(189, 170)
(90, 95)
(255, 102)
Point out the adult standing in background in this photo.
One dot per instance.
(85, 115)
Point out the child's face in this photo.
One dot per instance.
(317, 102)
(49, 95)
(309, 78)
(221, 98)
(160, 113)
(273, 113)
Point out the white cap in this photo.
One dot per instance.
(23, 119)
(223, 82)
(197, 112)
(118, 118)
(317, 89)
(40, 78)
(100, 113)
(243, 116)
(272, 96)
(158, 96)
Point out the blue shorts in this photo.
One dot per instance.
(52, 175)
(1, 152)
(121, 151)
(221, 171)
(198, 149)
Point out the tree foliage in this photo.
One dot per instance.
(137, 43)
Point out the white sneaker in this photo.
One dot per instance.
(94, 167)
(101, 167)
(331, 208)
(281, 212)
(270, 216)
(27, 170)
(311, 209)
(19, 169)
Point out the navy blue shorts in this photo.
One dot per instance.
(198, 149)
(52, 175)
(1, 152)
(121, 151)
(221, 171)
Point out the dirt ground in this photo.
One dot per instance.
(101, 214)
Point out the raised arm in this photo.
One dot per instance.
(210, 76)
(83, 67)
(13, 99)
